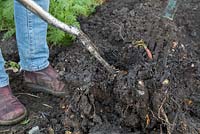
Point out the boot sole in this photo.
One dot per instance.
(14, 121)
(38, 88)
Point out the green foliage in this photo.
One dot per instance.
(25, 122)
(7, 18)
(65, 10)
(11, 65)
(10, 32)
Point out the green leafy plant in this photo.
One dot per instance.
(11, 65)
(65, 10)
(25, 122)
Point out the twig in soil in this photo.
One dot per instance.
(148, 120)
(120, 30)
(93, 104)
(174, 122)
(177, 113)
(161, 131)
(126, 109)
(43, 114)
(154, 115)
(166, 120)
(32, 95)
(161, 107)
(161, 111)
(5, 131)
(46, 105)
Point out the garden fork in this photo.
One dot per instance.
(170, 9)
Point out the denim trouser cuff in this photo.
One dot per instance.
(35, 68)
(4, 80)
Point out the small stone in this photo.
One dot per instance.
(63, 107)
(50, 130)
(174, 44)
(71, 116)
(141, 83)
(61, 73)
(34, 130)
(140, 92)
(68, 132)
(165, 82)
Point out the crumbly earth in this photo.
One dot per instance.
(155, 96)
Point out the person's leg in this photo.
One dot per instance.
(4, 80)
(31, 34)
(11, 110)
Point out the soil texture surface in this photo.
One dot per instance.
(155, 96)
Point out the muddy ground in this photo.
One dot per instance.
(155, 96)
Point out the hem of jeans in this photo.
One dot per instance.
(4, 83)
(35, 68)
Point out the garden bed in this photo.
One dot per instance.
(155, 96)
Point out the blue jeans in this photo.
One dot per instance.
(31, 34)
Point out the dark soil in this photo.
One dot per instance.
(155, 96)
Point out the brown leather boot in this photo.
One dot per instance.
(11, 110)
(45, 80)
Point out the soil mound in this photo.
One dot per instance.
(159, 95)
